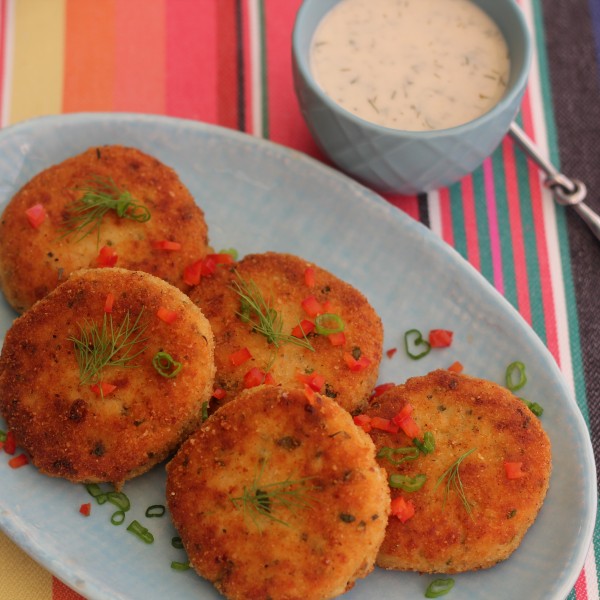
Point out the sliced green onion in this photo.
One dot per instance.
(165, 365)
(427, 446)
(413, 338)
(176, 542)
(534, 407)
(96, 492)
(439, 587)
(204, 410)
(117, 517)
(140, 531)
(119, 499)
(231, 251)
(514, 370)
(180, 566)
(407, 483)
(388, 453)
(328, 323)
(156, 510)
(2, 436)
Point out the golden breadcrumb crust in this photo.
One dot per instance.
(281, 281)
(73, 432)
(34, 261)
(249, 449)
(463, 413)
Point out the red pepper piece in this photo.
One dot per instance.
(356, 365)
(18, 461)
(513, 470)
(107, 257)
(309, 277)
(363, 421)
(389, 353)
(384, 424)
(10, 443)
(109, 302)
(166, 315)
(382, 388)
(312, 306)
(103, 389)
(303, 329)
(403, 509)
(192, 273)
(219, 393)
(456, 367)
(405, 421)
(337, 339)
(256, 377)
(36, 215)
(440, 338)
(239, 357)
(86, 509)
(166, 245)
(314, 380)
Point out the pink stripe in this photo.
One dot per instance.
(139, 44)
(446, 216)
(581, 591)
(492, 214)
(191, 60)
(249, 68)
(516, 230)
(549, 309)
(409, 204)
(286, 125)
(470, 219)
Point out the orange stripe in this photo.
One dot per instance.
(140, 28)
(409, 204)
(89, 56)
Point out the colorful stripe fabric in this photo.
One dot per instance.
(228, 62)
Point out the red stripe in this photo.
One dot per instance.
(227, 72)
(248, 69)
(191, 59)
(409, 204)
(470, 220)
(446, 216)
(535, 186)
(140, 45)
(61, 592)
(516, 230)
(581, 590)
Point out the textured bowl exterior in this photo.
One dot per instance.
(407, 162)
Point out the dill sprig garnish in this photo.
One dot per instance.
(259, 312)
(263, 499)
(452, 475)
(100, 196)
(98, 347)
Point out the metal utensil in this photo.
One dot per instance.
(566, 191)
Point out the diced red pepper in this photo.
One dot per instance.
(166, 315)
(356, 365)
(309, 276)
(18, 461)
(107, 257)
(384, 424)
(10, 443)
(192, 273)
(363, 421)
(103, 389)
(239, 357)
(403, 509)
(86, 509)
(328, 306)
(211, 261)
(303, 329)
(405, 421)
(456, 367)
(256, 377)
(309, 394)
(389, 353)
(440, 338)
(382, 388)
(109, 302)
(312, 306)
(166, 245)
(313, 380)
(219, 393)
(36, 215)
(337, 339)
(513, 470)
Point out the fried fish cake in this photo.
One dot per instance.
(254, 307)
(278, 495)
(106, 375)
(469, 514)
(108, 203)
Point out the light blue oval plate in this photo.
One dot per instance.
(258, 196)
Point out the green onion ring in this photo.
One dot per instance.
(519, 368)
(165, 365)
(205, 410)
(534, 407)
(176, 542)
(439, 587)
(417, 341)
(407, 483)
(180, 566)
(119, 499)
(96, 492)
(427, 446)
(388, 453)
(321, 321)
(140, 531)
(2, 436)
(156, 510)
(117, 517)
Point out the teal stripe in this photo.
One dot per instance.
(264, 78)
(485, 251)
(458, 219)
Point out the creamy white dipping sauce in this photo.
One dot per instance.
(411, 64)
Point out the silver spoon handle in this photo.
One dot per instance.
(566, 191)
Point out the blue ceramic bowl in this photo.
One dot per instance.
(408, 162)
